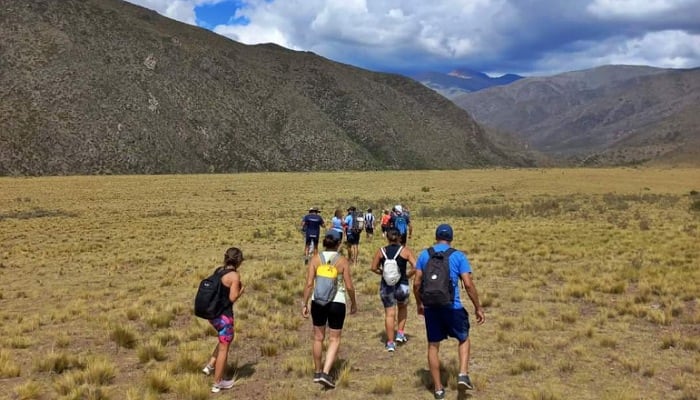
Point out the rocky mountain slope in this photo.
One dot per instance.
(610, 115)
(103, 86)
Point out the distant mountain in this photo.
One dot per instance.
(461, 81)
(609, 115)
(104, 86)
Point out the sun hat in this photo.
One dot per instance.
(444, 232)
(398, 208)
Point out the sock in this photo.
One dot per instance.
(400, 332)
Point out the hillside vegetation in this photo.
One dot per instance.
(106, 87)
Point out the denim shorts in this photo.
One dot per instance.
(441, 322)
(393, 295)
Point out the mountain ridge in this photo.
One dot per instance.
(591, 114)
(104, 86)
(461, 80)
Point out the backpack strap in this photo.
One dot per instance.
(397, 253)
(383, 249)
(333, 260)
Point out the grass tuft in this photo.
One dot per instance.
(383, 385)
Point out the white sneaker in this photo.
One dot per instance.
(223, 385)
(208, 369)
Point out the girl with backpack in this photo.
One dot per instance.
(328, 282)
(230, 290)
(392, 264)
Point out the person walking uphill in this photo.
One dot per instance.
(436, 288)
(328, 281)
(393, 288)
(227, 293)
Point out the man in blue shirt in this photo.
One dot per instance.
(401, 221)
(451, 319)
(311, 226)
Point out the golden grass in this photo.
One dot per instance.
(583, 273)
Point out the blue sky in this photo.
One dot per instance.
(529, 37)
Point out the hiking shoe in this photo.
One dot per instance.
(223, 385)
(439, 394)
(326, 380)
(208, 369)
(464, 382)
(317, 377)
(390, 347)
(401, 338)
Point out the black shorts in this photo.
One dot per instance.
(332, 313)
(353, 238)
(403, 239)
(385, 228)
(310, 238)
(369, 230)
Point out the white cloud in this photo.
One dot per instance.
(180, 10)
(667, 49)
(636, 8)
(521, 36)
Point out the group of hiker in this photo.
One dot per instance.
(329, 293)
(352, 225)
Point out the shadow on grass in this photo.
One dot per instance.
(381, 335)
(426, 381)
(338, 365)
(243, 371)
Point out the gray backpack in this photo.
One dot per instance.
(326, 281)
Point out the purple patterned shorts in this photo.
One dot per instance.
(224, 326)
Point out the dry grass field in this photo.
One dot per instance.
(590, 280)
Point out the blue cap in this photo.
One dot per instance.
(444, 232)
(335, 235)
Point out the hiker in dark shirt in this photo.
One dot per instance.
(311, 226)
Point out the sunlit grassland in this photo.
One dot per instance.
(590, 280)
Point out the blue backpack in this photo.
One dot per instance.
(401, 224)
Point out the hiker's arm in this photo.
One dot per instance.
(376, 262)
(236, 286)
(474, 296)
(349, 287)
(408, 255)
(308, 287)
(416, 290)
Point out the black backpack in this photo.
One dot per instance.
(436, 288)
(210, 300)
(358, 222)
